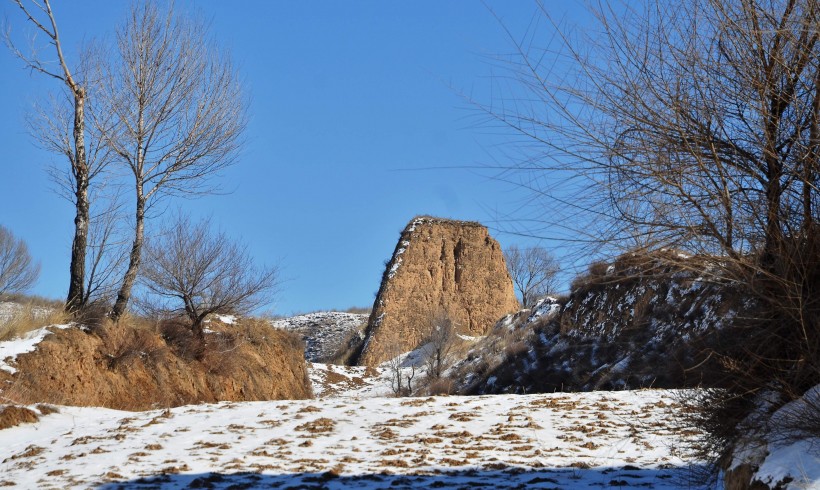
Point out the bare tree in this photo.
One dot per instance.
(696, 125)
(438, 345)
(533, 271)
(17, 271)
(178, 112)
(401, 376)
(63, 131)
(189, 269)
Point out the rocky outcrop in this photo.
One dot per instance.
(439, 267)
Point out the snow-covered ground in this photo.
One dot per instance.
(617, 439)
(356, 436)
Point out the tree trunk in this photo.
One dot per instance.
(124, 294)
(76, 286)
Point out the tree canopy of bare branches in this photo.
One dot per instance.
(689, 125)
(17, 270)
(191, 270)
(178, 113)
(60, 127)
(533, 271)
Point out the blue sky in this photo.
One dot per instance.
(356, 126)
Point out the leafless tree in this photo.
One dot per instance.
(694, 125)
(401, 377)
(438, 345)
(533, 271)
(192, 270)
(62, 129)
(178, 111)
(17, 271)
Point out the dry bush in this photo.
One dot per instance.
(47, 409)
(218, 353)
(347, 349)
(12, 416)
(441, 386)
(516, 349)
(184, 342)
(124, 346)
(30, 317)
(595, 276)
(93, 315)
(597, 270)
(799, 419)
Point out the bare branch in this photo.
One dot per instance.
(191, 270)
(178, 113)
(17, 270)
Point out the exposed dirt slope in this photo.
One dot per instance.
(438, 265)
(138, 369)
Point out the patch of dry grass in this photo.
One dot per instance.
(29, 317)
(318, 426)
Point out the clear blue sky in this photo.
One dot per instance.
(355, 114)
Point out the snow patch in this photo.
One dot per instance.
(10, 349)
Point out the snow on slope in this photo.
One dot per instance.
(27, 343)
(323, 332)
(8, 309)
(599, 439)
(787, 447)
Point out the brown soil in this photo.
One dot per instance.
(131, 368)
(439, 266)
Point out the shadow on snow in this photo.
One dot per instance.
(563, 478)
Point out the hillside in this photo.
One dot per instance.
(324, 333)
(355, 435)
(140, 367)
(629, 326)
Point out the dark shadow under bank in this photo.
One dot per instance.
(547, 478)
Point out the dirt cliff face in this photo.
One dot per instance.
(438, 267)
(136, 369)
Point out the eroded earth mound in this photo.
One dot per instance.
(439, 267)
(132, 368)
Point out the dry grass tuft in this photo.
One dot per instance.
(47, 409)
(12, 416)
(318, 426)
